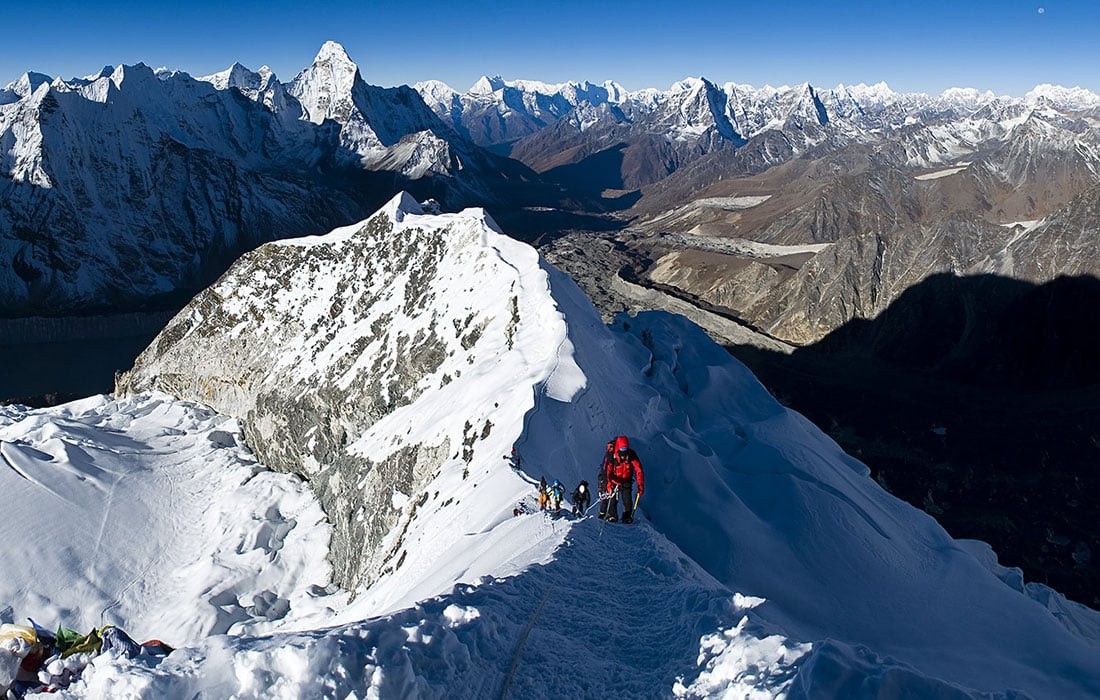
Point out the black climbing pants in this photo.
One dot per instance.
(626, 495)
(601, 492)
(581, 504)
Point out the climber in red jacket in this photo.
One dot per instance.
(622, 470)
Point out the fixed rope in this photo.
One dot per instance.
(523, 642)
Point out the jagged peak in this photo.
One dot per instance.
(688, 83)
(401, 205)
(267, 76)
(326, 83)
(732, 88)
(881, 86)
(486, 85)
(333, 53)
(236, 75)
(433, 85)
(615, 92)
(28, 83)
(104, 72)
(130, 73)
(862, 92)
(549, 88)
(435, 90)
(242, 78)
(967, 95)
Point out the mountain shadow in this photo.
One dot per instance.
(986, 330)
(600, 171)
(978, 400)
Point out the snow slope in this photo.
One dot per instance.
(146, 512)
(766, 564)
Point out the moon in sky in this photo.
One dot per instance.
(1042, 10)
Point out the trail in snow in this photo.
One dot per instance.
(617, 612)
(865, 596)
(145, 513)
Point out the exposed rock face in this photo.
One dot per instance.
(877, 227)
(342, 355)
(803, 295)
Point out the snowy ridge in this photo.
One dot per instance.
(375, 335)
(766, 561)
(699, 116)
(1075, 98)
(523, 107)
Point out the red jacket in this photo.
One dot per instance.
(623, 467)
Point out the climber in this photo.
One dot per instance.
(601, 478)
(514, 460)
(556, 493)
(581, 498)
(622, 470)
(543, 496)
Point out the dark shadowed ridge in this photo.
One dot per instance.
(978, 400)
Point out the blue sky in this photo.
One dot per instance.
(1005, 46)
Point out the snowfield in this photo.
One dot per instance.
(937, 174)
(765, 562)
(147, 513)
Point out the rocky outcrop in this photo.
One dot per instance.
(343, 356)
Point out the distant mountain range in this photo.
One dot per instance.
(133, 188)
(133, 185)
(696, 116)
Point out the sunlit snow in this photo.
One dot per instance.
(765, 562)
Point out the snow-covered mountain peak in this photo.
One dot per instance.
(133, 75)
(239, 77)
(615, 93)
(104, 72)
(486, 85)
(402, 203)
(880, 91)
(541, 86)
(27, 84)
(435, 91)
(1074, 98)
(687, 84)
(325, 87)
(877, 94)
(334, 54)
(388, 321)
(970, 99)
